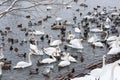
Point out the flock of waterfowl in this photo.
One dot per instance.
(98, 28)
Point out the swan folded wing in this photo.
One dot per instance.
(49, 51)
(114, 50)
(98, 44)
(22, 64)
(47, 60)
(38, 33)
(64, 63)
(55, 43)
(34, 47)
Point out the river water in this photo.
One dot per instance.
(17, 17)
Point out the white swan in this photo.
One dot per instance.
(55, 42)
(1, 53)
(98, 44)
(23, 64)
(97, 72)
(77, 30)
(67, 56)
(70, 36)
(97, 30)
(38, 32)
(111, 71)
(92, 39)
(76, 43)
(64, 63)
(1, 64)
(52, 51)
(49, 60)
(108, 20)
(49, 7)
(35, 50)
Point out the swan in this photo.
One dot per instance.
(96, 72)
(86, 77)
(67, 56)
(111, 71)
(77, 30)
(92, 39)
(49, 60)
(70, 36)
(108, 20)
(98, 44)
(88, 17)
(76, 43)
(58, 19)
(115, 48)
(35, 50)
(23, 64)
(97, 30)
(1, 64)
(49, 7)
(107, 26)
(64, 63)
(55, 42)
(38, 32)
(1, 53)
(52, 51)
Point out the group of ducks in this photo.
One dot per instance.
(54, 52)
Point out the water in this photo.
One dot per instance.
(38, 13)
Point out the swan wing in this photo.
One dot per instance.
(55, 43)
(64, 63)
(22, 64)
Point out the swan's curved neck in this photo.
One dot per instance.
(106, 36)
(112, 71)
(101, 27)
(0, 70)
(1, 52)
(29, 58)
(103, 60)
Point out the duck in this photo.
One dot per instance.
(23, 64)
(76, 43)
(1, 53)
(1, 64)
(6, 67)
(48, 60)
(35, 50)
(22, 55)
(36, 71)
(55, 42)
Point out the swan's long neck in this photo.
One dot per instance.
(0, 70)
(101, 27)
(29, 58)
(103, 60)
(53, 58)
(1, 52)
(106, 36)
(112, 71)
